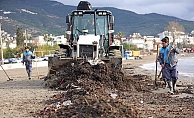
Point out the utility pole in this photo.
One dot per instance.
(1, 47)
(26, 38)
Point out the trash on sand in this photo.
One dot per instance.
(66, 103)
(113, 95)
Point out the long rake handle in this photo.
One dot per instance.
(37, 70)
(156, 66)
(5, 72)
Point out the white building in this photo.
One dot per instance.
(190, 40)
(135, 39)
(59, 40)
(40, 40)
(13, 44)
(179, 36)
(149, 42)
(56, 40)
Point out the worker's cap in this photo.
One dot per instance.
(27, 47)
(165, 39)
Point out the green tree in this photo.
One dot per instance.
(8, 53)
(126, 46)
(180, 45)
(20, 38)
(134, 47)
(46, 49)
(48, 38)
(8, 43)
(32, 46)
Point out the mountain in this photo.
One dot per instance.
(45, 16)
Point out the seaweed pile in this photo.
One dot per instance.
(105, 90)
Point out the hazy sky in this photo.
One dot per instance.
(179, 8)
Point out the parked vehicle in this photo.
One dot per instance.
(44, 58)
(189, 50)
(12, 60)
(6, 61)
(19, 60)
(132, 54)
(192, 49)
(38, 59)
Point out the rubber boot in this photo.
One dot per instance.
(29, 76)
(174, 85)
(170, 87)
(165, 83)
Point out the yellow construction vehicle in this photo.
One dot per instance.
(132, 54)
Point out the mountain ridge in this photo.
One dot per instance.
(49, 17)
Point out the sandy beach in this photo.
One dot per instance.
(21, 98)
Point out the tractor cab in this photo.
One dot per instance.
(87, 22)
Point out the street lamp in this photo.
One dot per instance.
(26, 38)
(1, 46)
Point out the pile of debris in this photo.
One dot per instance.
(105, 90)
(79, 73)
(89, 91)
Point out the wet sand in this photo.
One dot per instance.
(152, 59)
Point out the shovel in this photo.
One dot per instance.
(156, 66)
(9, 79)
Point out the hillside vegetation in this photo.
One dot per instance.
(40, 16)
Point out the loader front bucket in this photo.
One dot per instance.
(115, 60)
(54, 64)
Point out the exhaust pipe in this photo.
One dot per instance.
(95, 50)
(74, 51)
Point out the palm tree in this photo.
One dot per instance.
(51, 40)
(7, 43)
(154, 41)
(46, 38)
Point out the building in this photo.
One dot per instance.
(56, 40)
(177, 36)
(59, 40)
(135, 39)
(39, 40)
(150, 42)
(7, 40)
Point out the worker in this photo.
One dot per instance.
(90, 26)
(168, 60)
(27, 59)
